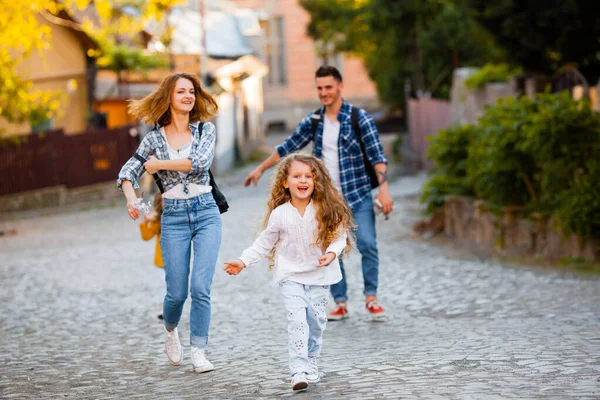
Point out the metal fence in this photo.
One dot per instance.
(50, 159)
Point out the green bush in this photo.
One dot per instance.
(541, 154)
(491, 73)
(578, 205)
(449, 151)
(500, 171)
(562, 136)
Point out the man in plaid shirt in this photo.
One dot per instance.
(336, 143)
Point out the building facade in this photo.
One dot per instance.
(64, 68)
(292, 58)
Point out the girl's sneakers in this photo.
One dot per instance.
(299, 381)
(313, 370)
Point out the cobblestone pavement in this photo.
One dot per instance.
(80, 298)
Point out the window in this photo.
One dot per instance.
(275, 50)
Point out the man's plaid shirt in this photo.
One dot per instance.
(353, 175)
(154, 144)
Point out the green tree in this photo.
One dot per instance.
(544, 35)
(22, 33)
(403, 41)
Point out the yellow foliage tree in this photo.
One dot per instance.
(21, 34)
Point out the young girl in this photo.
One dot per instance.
(307, 227)
(181, 155)
(150, 228)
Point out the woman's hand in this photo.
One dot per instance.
(234, 267)
(130, 195)
(153, 165)
(132, 211)
(326, 259)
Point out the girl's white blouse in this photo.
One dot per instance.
(296, 256)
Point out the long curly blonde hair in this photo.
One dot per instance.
(156, 107)
(332, 215)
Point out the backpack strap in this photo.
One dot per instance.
(314, 122)
(356, 125)
(369, 167)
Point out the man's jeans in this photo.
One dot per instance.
(306, 314)
(198, 221)
(366, 241)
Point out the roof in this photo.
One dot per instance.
(224, 38)
(64, 19)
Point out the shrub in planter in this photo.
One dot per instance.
(562, 137)
(578, 206)
(449, 152)
(491, 73)
(500, 171)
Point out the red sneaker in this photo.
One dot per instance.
(339, 312)
(375, 309)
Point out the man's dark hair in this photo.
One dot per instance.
(328, 70)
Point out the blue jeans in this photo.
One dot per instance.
(198, 221)
(306, 314)
(366, 241)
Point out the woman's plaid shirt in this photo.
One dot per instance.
(154, 144)
(354, 178)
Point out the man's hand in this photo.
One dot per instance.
(152, 165)
(386, 201)
(234, 267)
(326, 259)
(253, 177)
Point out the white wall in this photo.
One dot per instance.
(226, 130)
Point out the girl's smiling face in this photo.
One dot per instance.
(300, 182)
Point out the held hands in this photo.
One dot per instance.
(326, 259)
(253, 177)
(152, 165)
(234, 267)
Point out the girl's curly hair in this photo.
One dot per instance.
(333, 217)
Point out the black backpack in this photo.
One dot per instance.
(356, 127)
(217, 194)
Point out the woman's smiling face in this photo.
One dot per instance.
(183, 97)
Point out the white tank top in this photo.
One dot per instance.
(176, 192)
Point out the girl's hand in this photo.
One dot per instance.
(234, 267)
(326, 259)
(152, 165)
(132, 211)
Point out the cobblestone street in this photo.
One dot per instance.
(80, 298)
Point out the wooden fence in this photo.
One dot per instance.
(426, 116)
(53, 158)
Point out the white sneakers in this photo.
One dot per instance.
(173, 347)
(175, 353)
(299, 381)
(313, 370)
(199, 361)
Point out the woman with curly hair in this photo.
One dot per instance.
(181, 154)
(307, 229)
